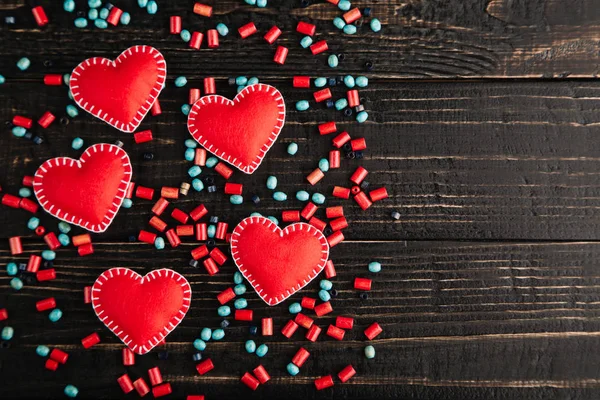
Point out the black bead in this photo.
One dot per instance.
(211, 243)
(8, 123)
(358, 23)
(350, 155)
(108, 6)
(163, 355)
(48, 264)
(37, 139)
(367, 11)
(214, 219)
(148, 156)
(253, 330)
(22, 267)
(48, 63)
(28, 279)
(193, 263)
(329, 103)
(5, 344)
(118, 143)
(327, 231)
(211, 189)
(364, 296)
(333, 293)
(28, 135)
(132, 238)
(396, 215)
(197, 357)
(255, 199)
(348, 112)
(369, 65)
(364, 185)
(209, 180)
(81, 13)
(9, 20)
(231, 81)
(224, 324)
(347, 147)
(305, 3)
(332, 81)
(359, 108)
(359, 154)
(64, 121)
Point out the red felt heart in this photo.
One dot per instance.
(87, 192)
(120, 92)
(278, 262)
(239, 131)
(141, 311)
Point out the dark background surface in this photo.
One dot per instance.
(482, 127)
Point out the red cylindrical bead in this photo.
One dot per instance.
(129, 191)
(290, 216)
(358, 144)
(162, 390)
(53, 79)
(346, 373)
(344, 322)
(23, 122)
(378, 194)
(203, 9)
(308, 302)
(143, 136)
(167, 192)
(212, 36)
(247, 30)
(179, 215)
(114, 16)
(201, 232)
(87, 295)
(46, 119)
(155, 376)
(289, 329)
(335, 238)
(28, 205)
(218, 256)
(128, 357)
(305, 28)
(233, 188)
(334, 159)
(11, 201)
(327, 128)
(33, 265)
(199, 252)
(46, 275)
(317, 223)
(193, 95)
(314, 177)
(373, 331)
(194, 397)
(313, 333)
(261, 374)
(15, 245)
(335, 332)
(228, 238)
(85, 250)
(141, 387)
(52, 241)
(157, 224)
(46, 304)
(338, 224)
(303, 320)
(323, 309)
(301, 81)
(319, 47)
(300, 357)
(334, 2)
(184, 230)
(3, 314)
(205, 366)
(322, 95)
(341, 192)
(280, 55)
(59, 356)
(341, 139)
(147, 237)
(272, 35)
(79, 240)
(51, 365)
(250, 381)
(125, 383)
(172, 237)
(198, 213)
(362, 200)
(362, 284)
(324, 382)
(200, 157)
(196, 40)
(359, 175)
(334, 212)
(223, 170)
(243, 315)
(156, 109)
(90, 340)
(209, 86)
(40, 15)
(211, 266)
(352, 15)
(144, 192)
(27, 181)
(225, 296)
(175, 24)
(267, 326)
(353, 99)
(309, 210)
(329, 269)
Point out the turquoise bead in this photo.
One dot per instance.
(69, 5)
(349, 29)
(349, 81)
(93, 14)
(48, 255)
(181, 81)
(341, 104)
(218, 334)
(318, 198)
(241, 80)
(302, 195)
(344, 5)
(190, 154)
(142, 3)
(198, 185)
(185, 109)
(71, 391)
(127, 203)
(324, 164)
(240, 304)
(152, 7)
(190, 143)
(236, 199)
(292, 148)
(271, 182)
(370, 352)
(223, 311)
(185, 35)
(262, 350)
(325, 284)
(292, 369)
(7, 333)
(273, 219)
(16, 283)
(374, 267)
(55, 315)
(64, 239)
(222, 29)
(320, 82)
(279, 196)
(239, 289)
(199, 344)
(33, 223)
(72, 111)
(238, 278)
(261, 3)
(211, 231)
(306, 41)
(251, 2)
(252, 81)
(94, 3)
(77, 143)
(19, 131)
(70, 94)
(67, 79)
(302, 105)
(80, 23)
(250, 346)
(339, 23)
(324, 295)
(2, 79)
(240, 88)
(375, 25)
(63, 227)
(42, 350)
(24, 63)
(295, 308)
(206, 334)
(125, 18)
(333, 61)
(101, 23)
(211, 162)
(362, 117)
(159, 243)
(194, 171)
(362, 81)
(12, 269)
(255, 214)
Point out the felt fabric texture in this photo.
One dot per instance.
(141, 311)
(241, 131)
(278, 262)
(87, 192)
(120, 92)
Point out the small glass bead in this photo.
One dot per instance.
(273, 219)
(199, 344)
(23, 63)
(159, 243)
(262, 350)
(185, 35)
(206, 334)
(239, 289)
(71, 391)
(42, 350)
(302, 105)
(72, 111)
(349, 81)
(344, 5)
(250, 346)
(252, 81)
(142, 3)
(101, 23)
(185, 109)
(295, 308)
(12, 269)
(93, 14)
(374, 267)
(324, 295)
(241, 80)
(271, 182)
(370, 352)
(222, 29)
(261, 3)
(236, 199)
(67, 79)
(181, 81)
(16, 283)
(320, 82)
(197, 357)
(69, 5)
(375, 25)
(2, 79)
(255, 214)
(224, 311)
(240, 304)
(362, 117)
(341, 104)
(33, 223)
(292, 148)
(326, 284)
(80, 23)
(349, 29)
(198, 185)
(211, 162)
(194, 171)
(292, 369)
(240, 88)
(306, 41)
(190, 154)
(339, 23)
(152, 7)
(218, 334)
(64, 227)
(7, 333)
(48, 255)
(324, 164)
(279, 196)
(251, 2)
(64, 239)
(19, 131)
(362, 81)
(125, 18)
(318, 198)
(55, 315)
(211, 231)
(302, 195)
(224, 324)
(238, 278)
(94, 3)
(127, 203)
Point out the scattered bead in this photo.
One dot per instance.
(93, 14)
(125, 18)
(318, 198)
(55, 315)
(199, 344)
(12, 269)
(375, 25)
(250, 346)
(370, 352)
(279, 196)
(292, 369)
(18, 131)
(206, 334)
(320, 82)
(238, 278)
(325, 285)
(101, 23)
(239, 289)
(211, 162)
(185, 35)
(339, 23)
(292, 148)
(218, 334)
(349, 29)
(194, 171)
(262, 350)
(324, 295)
(306, 42)
(295, 308)
(7, 333)
(152, 7)
(271, 182)
(223, 311)
(222, 29)
(240, 304)
(71, 391)
(42, 351)
(344, 5)
(362, 81)
(69, 5)
(16, 283)
(302, 105)
(332, 60)
(23, 63)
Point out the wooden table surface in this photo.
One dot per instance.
(483, 127)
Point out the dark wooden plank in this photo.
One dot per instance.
(470, 319)
(425, 39)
